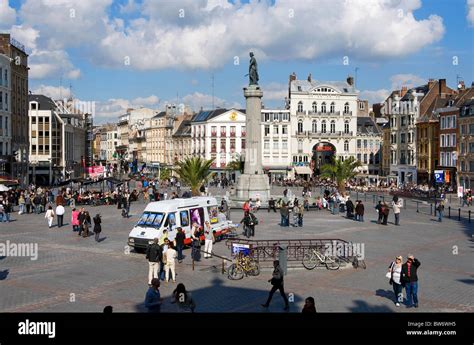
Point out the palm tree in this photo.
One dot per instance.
(194, 172)
(236, 165)
(340, 171)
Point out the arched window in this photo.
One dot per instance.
(314, 126)
(346, 108)
(346, 127)
(323, 127)
(332, 108)
(300, 127)
(333, 126)
(323, 107)
(300, 107)
(346, 145)
(315, 107)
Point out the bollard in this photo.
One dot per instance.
(223, 266)
(357, 196)
(417, 203)
(365, 197)
(469, 212)
(374, 199)
(193, 264)
(459, 214)
(449, 212)
(431, 209)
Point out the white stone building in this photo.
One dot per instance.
(323, 122)
(5, 113)
(368, 149)
(276, 143)
(220, 135)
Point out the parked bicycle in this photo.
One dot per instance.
(243, 266)
(315, 258)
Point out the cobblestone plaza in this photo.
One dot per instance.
(73, 274)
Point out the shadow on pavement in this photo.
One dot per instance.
(102, 239)
(226, 299)
(388, 294)
(364, 307)
(467, 281)
(4, 274)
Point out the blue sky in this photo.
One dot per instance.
(174, 47)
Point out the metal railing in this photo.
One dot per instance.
(268, 250)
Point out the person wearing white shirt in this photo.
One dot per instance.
(170, 262)
(49, 215)
(60, 215)
(209, 240)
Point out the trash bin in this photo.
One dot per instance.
(283, 258)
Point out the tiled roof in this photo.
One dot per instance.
(366, 125)
(206, 115)
(45, 103)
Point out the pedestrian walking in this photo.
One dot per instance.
(300, 215)
(440, 210)
(179, 240)
(153, 298)
(86, 224)
(359, 211)
(49, 215)
(75, 219)
(379, 209)
(183, 299)
(21, 204)
(395, 270)
(97, 226)
(386, 212)
(295, 213)
(170, 265)
(208, 240)
(410, 280)
(284, 213)
(349, 208)
(309, 306)
(7, 209)
(277, 284)
(196, 242)
(60, 214)
(154, 256)
(396, 205)
(27, 203)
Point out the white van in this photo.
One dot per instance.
(158, 215)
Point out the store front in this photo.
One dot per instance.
(323, 153)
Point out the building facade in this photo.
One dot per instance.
(466, 144)
(219, 135)
(6, 157)
(276, 144)
(323, 121)
(368, 149)
(19, 105)
(57, 142)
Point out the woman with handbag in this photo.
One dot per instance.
(277, 282)
(395, 271)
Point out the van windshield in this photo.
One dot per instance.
(152, 219)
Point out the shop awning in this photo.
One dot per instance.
(303, 170)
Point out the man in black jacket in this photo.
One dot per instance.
(271, 205)
(154, 254)
(410, 279)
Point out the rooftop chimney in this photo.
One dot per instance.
(292, 77)
(442, 86)
(350, 80)
(403, 91)
(430, 83)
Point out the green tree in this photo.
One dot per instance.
(236, 165)
(165, 173)
(340, 171)
(194, 172)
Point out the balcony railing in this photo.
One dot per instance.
(335, 134)
(244, 133)
(213, 150)
(232, 134)
(214, 134)
(223, 134)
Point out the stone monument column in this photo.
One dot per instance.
(253, 183)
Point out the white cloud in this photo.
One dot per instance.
(146, 101)
(275, 92)
(211, 34)
(7, 15)
(51, 64)
(408, 80)
(470, 11)
(130, 7)
(374, 96)
(197, 100)
(54, 92)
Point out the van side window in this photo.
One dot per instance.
(184, 217)
(171, 219)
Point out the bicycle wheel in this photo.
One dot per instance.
(332, 263)
(310, 261)
(254, 269)
(235, 272)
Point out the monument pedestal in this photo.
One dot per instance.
(252, 187)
